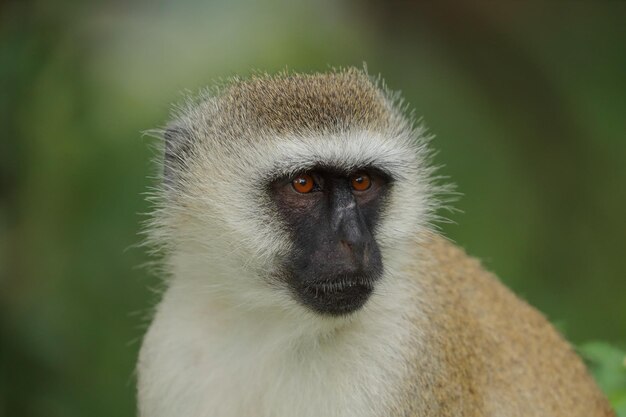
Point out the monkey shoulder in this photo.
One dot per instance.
(495, 353)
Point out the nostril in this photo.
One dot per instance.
(346, 244)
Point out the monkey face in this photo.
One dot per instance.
(290, 193)
(331, 216)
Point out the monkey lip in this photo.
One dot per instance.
(336, 297)
(338, 287)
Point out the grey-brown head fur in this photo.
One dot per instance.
(297, 103)
(282, 104)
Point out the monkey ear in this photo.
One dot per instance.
(177, 149)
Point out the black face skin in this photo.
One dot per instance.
(332, 216)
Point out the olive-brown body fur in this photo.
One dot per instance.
(490, 353)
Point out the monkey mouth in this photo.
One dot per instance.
(336, 297)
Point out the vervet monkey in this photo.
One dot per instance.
(305, 279)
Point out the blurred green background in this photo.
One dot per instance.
(527, 99)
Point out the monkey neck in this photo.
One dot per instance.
(290, 363)
(282, 353)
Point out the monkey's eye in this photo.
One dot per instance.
(361, 182)
(303, 183)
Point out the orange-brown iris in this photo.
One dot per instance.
(303, 183)
(361, 182)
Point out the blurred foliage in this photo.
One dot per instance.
(608, 365)
(527, 100)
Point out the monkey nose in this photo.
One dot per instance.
(357, 251)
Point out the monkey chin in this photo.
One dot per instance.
(336, 297)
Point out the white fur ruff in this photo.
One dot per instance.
(226, 342)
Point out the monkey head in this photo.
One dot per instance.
(286, 192)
